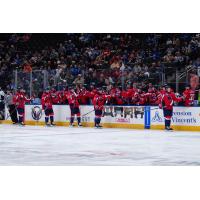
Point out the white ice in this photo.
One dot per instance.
(36, 145)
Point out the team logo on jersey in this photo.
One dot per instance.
(36, 113)
(156, 117)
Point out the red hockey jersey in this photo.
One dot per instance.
(47, 101)
(84, 96)
(188, 96)
(168, 100)
(92, 93)
(160, 95)
(20, 99)
(152, 98)
(73, 99)
(139, 98)
(99, 101)
(56, 96)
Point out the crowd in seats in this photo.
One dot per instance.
(101, 60)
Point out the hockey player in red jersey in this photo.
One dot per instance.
(125, 97)
(84, 96)
(60, 95)
(139, 98)
(65, 96)
(114, 97)
(142, 97)
(161, 92)
(129, 93)
(93, 92)
(19, 100)
(152, 97)
(118, 96)
(99, 101)
(47, 106)
(188, 96)
(56, 96)
(73, 100)
(166, 103)
(113, 100)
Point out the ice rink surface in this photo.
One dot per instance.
(37, 145)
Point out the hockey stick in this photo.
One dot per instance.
(87, 113)
(90, 111)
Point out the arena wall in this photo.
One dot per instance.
(136, 117)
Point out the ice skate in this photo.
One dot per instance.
(71, 125)
(52, 124)
(22, 124)
(168, 128)
(98, 126)
(47, 125)
(80, 125)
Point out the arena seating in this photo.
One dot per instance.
(100, 59)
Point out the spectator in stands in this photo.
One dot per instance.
(75, 70)
(27, 67)
(194, 81)
(79, 80)
(143, 57)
